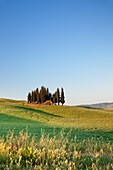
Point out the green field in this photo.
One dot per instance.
(84, 122)
(88, 146)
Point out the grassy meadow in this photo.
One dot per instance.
(84, 122)
(55, 137)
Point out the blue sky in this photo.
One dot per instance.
(57, 43)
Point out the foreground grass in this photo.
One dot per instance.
(84, 122)
(57, 152)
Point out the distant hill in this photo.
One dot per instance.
(100, 105)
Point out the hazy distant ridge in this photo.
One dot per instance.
(100, 105)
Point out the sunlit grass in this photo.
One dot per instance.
(84, 122)
(57, 152)
(62, 116)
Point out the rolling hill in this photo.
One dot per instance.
(84, 122)
(100, 105)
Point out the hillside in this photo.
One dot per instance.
(87, 139)
(61, 116)
(100, 105)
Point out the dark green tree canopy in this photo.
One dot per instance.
(62, 96)
(58, 96)
(44, 95)
(29, 97)
(38, 98)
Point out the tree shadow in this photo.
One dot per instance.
(14, 119)
(88, 107)
(37, 111)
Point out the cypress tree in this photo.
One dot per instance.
(37, 91)
(32, 97)
(47, 94)
(38, 98)
(54, 98)
(49, 98)
(43, 94)
(29, 98)
(35, 97)
(58, 96)
(62, 96)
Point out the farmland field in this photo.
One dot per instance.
(79, 138)
(84, 122)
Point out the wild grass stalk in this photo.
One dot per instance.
(57, 152)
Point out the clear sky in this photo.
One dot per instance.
(57, 43)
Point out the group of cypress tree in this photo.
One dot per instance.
(40, 97)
